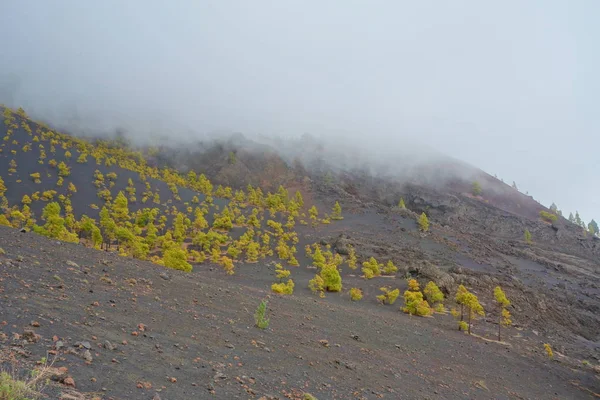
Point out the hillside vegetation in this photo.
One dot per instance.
(475, 257)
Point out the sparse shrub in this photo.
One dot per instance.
(36, 177)
(12, 388)
(423, 222)
(371, 268)
(259, 316)
(63, 169)
(4, 221)
(308, 396)
(252, 252)
(434, 296)
(316, 285)
(414, 303)
(352, 258)
(280, 272)
(549, 351)
(548, 217)
(388, 296)
(390, 268)
(176, 258)
(283, 288)
(527, 236)
(476, 189)
(356, 294)
(314, 215)
(227, 264)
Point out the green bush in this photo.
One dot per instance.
(176, 258)
(332, 280)
(356, 294)
(548, 217)
(259, 316)
(388, 296)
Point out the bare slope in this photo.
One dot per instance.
(198, 329)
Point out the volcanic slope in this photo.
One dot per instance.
(232, 239)
(151, 330)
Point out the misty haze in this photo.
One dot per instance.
(511, 88)
(232, 199)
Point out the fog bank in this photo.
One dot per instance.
(510, 87)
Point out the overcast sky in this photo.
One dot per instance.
(512, 87)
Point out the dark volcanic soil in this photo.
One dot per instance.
(199, 330)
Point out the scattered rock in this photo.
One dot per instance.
(87, 356)
(58, 374)
(109, 346)
(69, 381)
(35, 324)
(219, 376)
(165, 276)
(31, 336)
(72, 264)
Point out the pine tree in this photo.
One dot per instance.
(514, 185)
(401, 203)
(337, 212)
(314, 215)
(2, 187)
(318, 258)
(332, 280)
(423, 222)
(476, 189)
(434, 296)
(577, 218)
(474, 308)
(571, 218)
(527, 236)
(461, 299)
(414, 303)
(120, 208)
(108, 225)
(299, 199)
(593, 227)
(503, 303)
